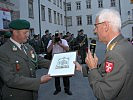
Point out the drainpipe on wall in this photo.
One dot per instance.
(120, 7)
(39, 12)
(65, 16)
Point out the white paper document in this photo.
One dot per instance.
(62, 64)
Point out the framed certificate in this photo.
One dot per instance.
(62, 64)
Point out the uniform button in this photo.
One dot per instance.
(10, 95)
(31, 69)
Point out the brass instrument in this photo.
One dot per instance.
(83, 42)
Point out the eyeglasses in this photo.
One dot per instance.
(95, 25)
(98, 24)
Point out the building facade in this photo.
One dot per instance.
(82, 13)
(127, 18)
(70, 15)
(43, 15)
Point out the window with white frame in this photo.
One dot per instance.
(69, 21)
(132, 14)
(79, 20)
(68, 6)
(61, 18)
(57, 3)
(6, 23)
(30, 8)
(55, 19)
(61, 4)
(65, 21)
(113, 3)
(43, 12)
(78, 5)
(100, 3)
(49, 15)
(64, 6)
(88, 4)
(32, 32)
(89, 19)
(54, 2)
(129, 15)
(58, 17)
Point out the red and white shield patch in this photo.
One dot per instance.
(109, 66)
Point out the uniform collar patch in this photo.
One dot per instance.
(14, 48)
(109, 66)
(111, 46)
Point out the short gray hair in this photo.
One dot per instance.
(111, 16)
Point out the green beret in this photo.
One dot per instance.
(19, 24)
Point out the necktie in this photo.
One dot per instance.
(23, 48)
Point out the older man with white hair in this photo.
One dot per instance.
(113, 79)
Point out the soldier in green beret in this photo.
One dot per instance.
(18, 62)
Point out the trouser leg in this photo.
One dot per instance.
(66, 83)
(83, 56)
(57, 83)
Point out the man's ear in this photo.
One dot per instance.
(106, 26)
(15, 32)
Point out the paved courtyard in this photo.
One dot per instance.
(79, 85)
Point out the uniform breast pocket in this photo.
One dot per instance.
(20, 67)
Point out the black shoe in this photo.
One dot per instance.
(56, 92)
(68, 92)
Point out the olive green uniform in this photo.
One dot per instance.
(117, 82)
(17, 72)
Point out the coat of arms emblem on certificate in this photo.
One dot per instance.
(62, 64)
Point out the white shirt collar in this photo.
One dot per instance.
(111, 41)
(17, 44)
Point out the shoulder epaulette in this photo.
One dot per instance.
(111, 46)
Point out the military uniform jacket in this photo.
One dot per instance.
(82, 39)
(113, 80)
(17, 72)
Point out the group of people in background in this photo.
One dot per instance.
(79, 43)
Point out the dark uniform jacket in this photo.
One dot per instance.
(113, 80)
(17, 72)
(37, 45)
(82, 39)
(45, 40)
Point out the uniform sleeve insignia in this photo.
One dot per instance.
(109, 66)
